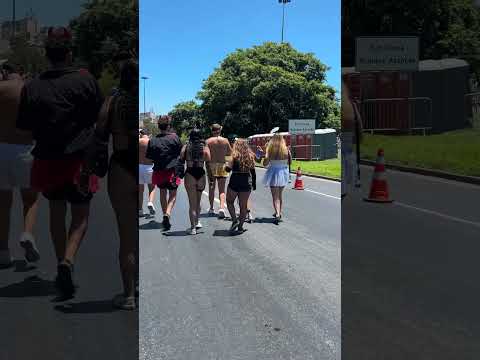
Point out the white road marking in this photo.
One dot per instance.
(322, 194)
(431, 212)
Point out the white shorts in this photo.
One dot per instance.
(145, 174)
(15, 166)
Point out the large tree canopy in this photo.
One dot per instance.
(105, 28)
(259, 88)
(446, 28)
(186, 115)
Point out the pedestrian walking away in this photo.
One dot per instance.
(118, 120)
(145, 172)
(277, 160)
(220, 151)
(164, 150)
(242, 182)
(15, 167)
(350, 136)
(60, 108)
(195, 154)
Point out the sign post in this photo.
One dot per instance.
(387, 53)
(300, 127)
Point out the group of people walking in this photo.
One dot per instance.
(55, 136)
(165, 162)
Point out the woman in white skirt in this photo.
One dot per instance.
(277, 160)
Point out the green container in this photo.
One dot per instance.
(324, 144)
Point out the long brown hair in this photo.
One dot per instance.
(243, 154)
(277, 148)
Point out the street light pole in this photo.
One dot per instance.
(13, 19)
(283, 2)
(144, 78)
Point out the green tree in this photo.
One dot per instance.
(259, 88)
(446, 28)
(186, 115)
(26, 56)
(151, 126)
(103, 30)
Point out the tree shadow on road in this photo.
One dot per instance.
(176, 233)
(23, 266)
(87, 307)
(151, 225)
(32, 286)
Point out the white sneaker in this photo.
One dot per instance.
(211, 212)
(140, 213)
(124, 303)
(151, 208)
(27, 242)
(221, 214)
(250, 218)
(192, 231)
(199, 225)
(5, 259)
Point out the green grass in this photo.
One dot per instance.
(330, 168)
(455, 152)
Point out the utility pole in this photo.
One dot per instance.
(144, 78)
(13, 19)
(283, 2)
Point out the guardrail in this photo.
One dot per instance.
(396, 114)
(472, 103)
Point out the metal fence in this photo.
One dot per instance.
(472, 103)
(396, 114)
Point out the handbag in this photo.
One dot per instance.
(101, 157)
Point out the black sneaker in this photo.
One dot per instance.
(64, 280)
(166, 223)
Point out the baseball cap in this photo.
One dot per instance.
(216, 127)
(58, 38)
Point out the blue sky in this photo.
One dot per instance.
(49, 12)
(182, 41)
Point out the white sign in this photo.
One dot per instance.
(304, 126)
(387, 53)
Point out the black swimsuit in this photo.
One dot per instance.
(242, 181)
(196, 172)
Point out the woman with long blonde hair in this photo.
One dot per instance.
(277, 160)
(242, 182)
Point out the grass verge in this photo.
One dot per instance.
(454, 152)
(329, 168)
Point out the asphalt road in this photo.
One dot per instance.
(270, 293)
(34, 326)
(410, 286)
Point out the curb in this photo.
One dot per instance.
(308, 174)
(427, 172)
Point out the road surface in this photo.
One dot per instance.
(87, 327)
(270, 293)
(410, 286)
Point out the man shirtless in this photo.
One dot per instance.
(15, 167)
(145, 171)
(220, 151)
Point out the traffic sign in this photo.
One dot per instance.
(301, 126)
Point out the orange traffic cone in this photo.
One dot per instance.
(299, 181)
(379, 189)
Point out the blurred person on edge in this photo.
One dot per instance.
(60, 108)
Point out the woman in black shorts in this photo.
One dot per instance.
(242, 182)
(195, 153)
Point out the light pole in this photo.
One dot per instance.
(283, 2)
(13, 19)
(144, 78)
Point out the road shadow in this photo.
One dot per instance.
(23, 266)
(176, 233)
(264, 220)
(151, 225)
(32, 286)
(226, 233)
(87, 307)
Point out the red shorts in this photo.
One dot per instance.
(166, 179)
(58, 178)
